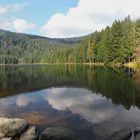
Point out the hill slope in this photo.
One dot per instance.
(24, 48)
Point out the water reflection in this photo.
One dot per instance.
(93, 101)
(80, 101)
(114, 84)
(77, 108)
(24, 100)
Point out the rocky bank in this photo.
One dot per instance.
(15, 127)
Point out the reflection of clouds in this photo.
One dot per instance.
(94, 115)
(24, 100)
(81, 101)
(20, 101)
(130, 116)
(123, 119)
(5, 103)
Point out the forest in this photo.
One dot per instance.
(116, 44)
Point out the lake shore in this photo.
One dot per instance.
(16, 128)
(12, 128)
(129, 65)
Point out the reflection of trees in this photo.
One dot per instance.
(114, 84)
(16, 79)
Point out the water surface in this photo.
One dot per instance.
(93, 101)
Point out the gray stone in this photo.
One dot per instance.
(137, 137)
(123, 134)
(30, 134)
(136, 130)
(12, 127)
(58, 133)
(6, 138)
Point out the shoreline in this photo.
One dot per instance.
(128, 65)
(17, 128)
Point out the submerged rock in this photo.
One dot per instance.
(58, 133)
(30, 134)
(123, 134)
(12, 127)
(6, 138)
(2, 135)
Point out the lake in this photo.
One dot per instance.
(92, 101)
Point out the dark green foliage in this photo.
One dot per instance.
(137, 33)
(116, 44)
(22, 48)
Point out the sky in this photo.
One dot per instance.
(64, 18)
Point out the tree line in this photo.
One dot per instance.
(115, 44)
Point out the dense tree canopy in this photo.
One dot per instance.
(116, 44)
(22, 48)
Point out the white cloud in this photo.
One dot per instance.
(12, 8)
(88, 16)
(24, 100)
(17, 7)
(3, 9)
(6, 22)
(21, 25)
(80, 101)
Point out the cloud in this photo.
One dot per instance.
(80, 101)
(12, 8)
(6, 22)
(3, 9)
(17, 7)
(24, 100)
(88, 16)
(21, 25)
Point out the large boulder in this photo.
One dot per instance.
(30, 134)
(137, 137)
(123, 134)
(136, 130)
(137, 133)
(12, 127)
(58, 133)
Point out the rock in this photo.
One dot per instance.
(58, 133)
(137, 137)
(30, 134)
(123, 134)
(136, 130)
(12, 127)
(10, 138)
(2, 135)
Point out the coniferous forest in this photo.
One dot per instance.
(116, 44)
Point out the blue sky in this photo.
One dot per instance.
(38, 11)
(63, 18)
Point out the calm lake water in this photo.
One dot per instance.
(93, 101)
